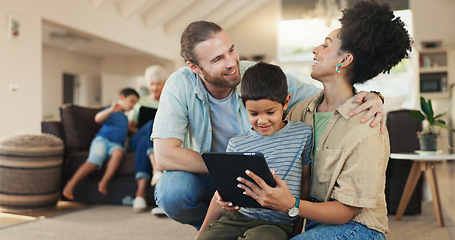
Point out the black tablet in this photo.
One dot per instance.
(145, 114)
(224, 168)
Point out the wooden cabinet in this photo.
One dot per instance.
(435, 72)
(437, 81)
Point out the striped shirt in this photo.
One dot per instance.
(285, 151)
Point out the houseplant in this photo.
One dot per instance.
(428, 137)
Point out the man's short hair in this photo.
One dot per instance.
(193, 34)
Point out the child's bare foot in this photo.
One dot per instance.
(102, 188)
(68, 191)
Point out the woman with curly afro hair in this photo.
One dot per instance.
(347, 199)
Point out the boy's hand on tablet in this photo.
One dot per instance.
(225, 205)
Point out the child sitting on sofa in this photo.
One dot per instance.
(109, 141)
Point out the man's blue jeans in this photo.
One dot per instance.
(184, 196)
(143, 146)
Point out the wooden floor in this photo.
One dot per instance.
(8, 218)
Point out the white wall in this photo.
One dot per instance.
(258, 34)
(20, 63)
(433, 20)
(118, 73)
(55, 63)
(99, 79)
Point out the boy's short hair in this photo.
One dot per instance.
(128, 91)
(264, 81)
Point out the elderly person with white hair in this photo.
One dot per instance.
(155, 77)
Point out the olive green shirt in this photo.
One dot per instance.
(350, 162)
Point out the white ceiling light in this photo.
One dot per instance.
(327, 9)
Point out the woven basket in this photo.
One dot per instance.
(30, 171)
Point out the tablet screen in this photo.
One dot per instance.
(145, 114)
(224, 168)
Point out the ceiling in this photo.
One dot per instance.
(75, 41)
(293, 9)
(170, 15)
(174, 15)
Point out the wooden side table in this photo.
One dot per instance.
(421, 163)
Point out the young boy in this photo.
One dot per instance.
(286, 147)
(107, 142)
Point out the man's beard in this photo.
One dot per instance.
(221, 81)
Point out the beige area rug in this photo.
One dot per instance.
(422, 226)
(119, 222)
(100, 222)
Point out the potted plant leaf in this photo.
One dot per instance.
(428, 137)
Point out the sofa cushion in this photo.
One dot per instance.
(79, 126)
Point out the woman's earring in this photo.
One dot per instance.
(336, 68)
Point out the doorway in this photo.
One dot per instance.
(70, 88)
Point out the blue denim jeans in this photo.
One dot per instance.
(184, 196)
(143, 146)
(348, 231)
(101, 149)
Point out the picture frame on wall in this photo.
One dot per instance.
(14, 27)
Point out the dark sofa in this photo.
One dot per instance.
(77, 128)
(402, 132)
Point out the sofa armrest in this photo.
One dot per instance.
(53, 127)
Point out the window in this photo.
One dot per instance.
(297, 38)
